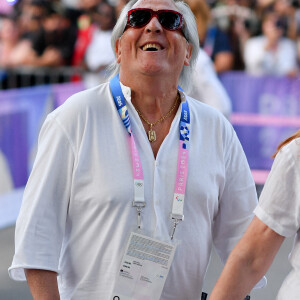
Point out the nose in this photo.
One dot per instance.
(154, 25)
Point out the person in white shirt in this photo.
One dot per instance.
(277, 217)
(271, 53)
(135, 161)
(206, 86)
(99, 55)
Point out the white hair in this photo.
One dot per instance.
(189, 30)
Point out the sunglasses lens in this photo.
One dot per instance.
(139, 18)
(169, 20)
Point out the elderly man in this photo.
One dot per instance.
(134, 180)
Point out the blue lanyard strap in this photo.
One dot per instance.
(119, 99)
(120, 103)
(182, 163)
(184, 131)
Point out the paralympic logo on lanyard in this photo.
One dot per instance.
(123, 112)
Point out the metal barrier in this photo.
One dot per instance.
(31, 76)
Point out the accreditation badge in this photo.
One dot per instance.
(144, 269)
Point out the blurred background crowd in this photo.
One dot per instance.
(73, 36)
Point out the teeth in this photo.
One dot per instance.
(153, 46)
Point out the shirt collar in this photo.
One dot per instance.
(127, 93)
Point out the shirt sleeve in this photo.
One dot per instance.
(279, 203)
(41, 223)
(236, 202)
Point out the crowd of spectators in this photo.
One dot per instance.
(258, 36)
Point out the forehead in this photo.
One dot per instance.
(156, 4)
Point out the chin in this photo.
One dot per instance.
(154, 69)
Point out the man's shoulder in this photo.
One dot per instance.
(202, 109)
(91, 95)
(208, 117)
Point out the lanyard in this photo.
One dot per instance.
(138, 178)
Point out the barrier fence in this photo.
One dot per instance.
(25, 76)
(266, 110)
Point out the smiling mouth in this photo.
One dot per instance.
(151, 47)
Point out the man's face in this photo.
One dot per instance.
(104, 16)
(170, 50)
(31, 17)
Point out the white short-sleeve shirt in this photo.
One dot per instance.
(77, 209)
(279, 208)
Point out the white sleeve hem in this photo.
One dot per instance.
(17, 273)
(270, 222)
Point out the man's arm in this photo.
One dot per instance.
(42, 284)
(248, 262)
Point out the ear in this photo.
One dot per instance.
(118, 50)
(189, 50)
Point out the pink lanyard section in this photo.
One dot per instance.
(182, 164)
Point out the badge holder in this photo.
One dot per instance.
(144, 268)
(146, 261)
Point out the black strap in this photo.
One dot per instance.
(204, 296)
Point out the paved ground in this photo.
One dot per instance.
(10, 290)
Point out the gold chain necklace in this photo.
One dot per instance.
(151, 132)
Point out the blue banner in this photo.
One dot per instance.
(61, 92)
(22, 113)
(266, 110)
(14, 146)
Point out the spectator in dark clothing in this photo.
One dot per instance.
(238, 19)
(31, 15)
(214, 41)
(217, 43)
(49, 37)
(88, 6)
(54, 43)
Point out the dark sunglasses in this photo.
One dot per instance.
(169, 19)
